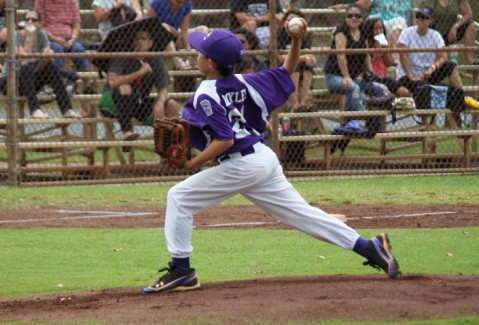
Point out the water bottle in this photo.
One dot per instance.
(362, 100)
(453, 56)
(286, 122)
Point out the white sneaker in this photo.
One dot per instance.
(39, 114)
(71, 114)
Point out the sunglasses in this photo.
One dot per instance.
(421, 16)
(31, 19)
(351, 16)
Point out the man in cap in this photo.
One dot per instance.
(417, 68)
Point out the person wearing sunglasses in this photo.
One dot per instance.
(395, 15)
(417, 68)
(36, 73)
(342, 71)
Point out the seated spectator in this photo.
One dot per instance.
(249, 63)
(417, 68)
(452, 29)
(395, 15)
(131, 80)
(62, 21)
(111, 13)
(253, 15)
(176, 13)
(36, 73)
(342, 71)
(3, 26)
(303, 77)
(374, 32)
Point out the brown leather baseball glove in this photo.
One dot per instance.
(172, 140)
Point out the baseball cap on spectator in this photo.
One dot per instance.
(221, 46)
(426, 11)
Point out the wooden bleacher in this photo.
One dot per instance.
(86, 157)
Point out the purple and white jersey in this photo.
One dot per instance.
(236, 107)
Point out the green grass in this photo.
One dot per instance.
(70, 259)
(400, 190)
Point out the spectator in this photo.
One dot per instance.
(62, 22)
(417, 68)
(452, 29)
(131, 80)
(3, 25)
(176, 13)
(36, 73)
(111, 13)
(342, 70)
(374, 32)
(253, 15)
(303, 77)
(249, 63)
(395, 15)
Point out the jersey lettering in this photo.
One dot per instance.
(234, 97)
(238, 124)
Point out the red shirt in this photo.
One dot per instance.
(58, 16)
(379, 67)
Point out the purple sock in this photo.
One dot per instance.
(181, 263)
(360, 246)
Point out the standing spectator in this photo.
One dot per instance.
(111, 13)
(249, 63)
(452, 29)
(342, 71)
(253, 15)
(374, 32)
(62, 23)
(303, 77)
(131, 80)
(36, 73)
(418, 68)
(176, 13)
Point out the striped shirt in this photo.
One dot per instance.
(58, 16)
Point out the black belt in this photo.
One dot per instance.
(242, 153)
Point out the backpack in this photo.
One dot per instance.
(439, 97)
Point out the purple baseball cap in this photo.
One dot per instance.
(221, 46)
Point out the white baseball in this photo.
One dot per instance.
(295, 25)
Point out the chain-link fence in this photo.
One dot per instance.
(374, 95)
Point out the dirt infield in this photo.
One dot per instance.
(267, 301)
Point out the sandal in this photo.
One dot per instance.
(129, 137)
(185, 65)
(71, 114)
(39, 114)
